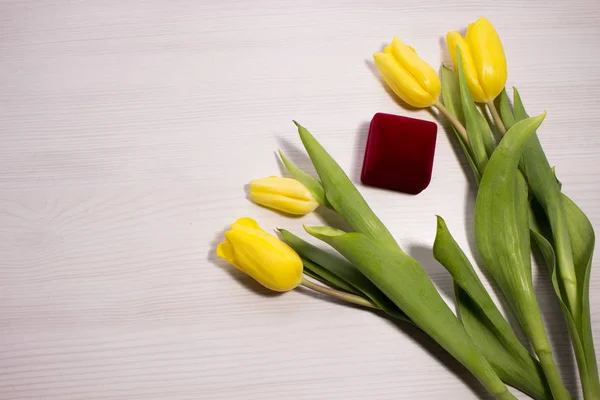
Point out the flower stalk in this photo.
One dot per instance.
(453, 120)
(494, 111)
(347, 297)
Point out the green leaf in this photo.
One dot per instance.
(528, 377)
(547, 192)
(583, 240)
(485, 323)
(567, 245)
(472, 121)
(486, 133)
(451, 94)
(499, 216)
(452, 101)
(342, 194)
(545, 246)
(558, 182)
(502, 233)
(311, 183)
(341, 273)
(504, 109)
(405, 282)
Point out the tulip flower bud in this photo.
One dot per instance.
(411, 78)
(483, 58)
(265, 258)
(283, 194)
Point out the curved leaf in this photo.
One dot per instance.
(485, 323)
(499, 223)
(527, 376)
(583, 241)
(341, 273)
(451, 94)
(572, 235)
(452, 101)
(342, 194)
(404, 281)
(472, 121)
(547, 192)
(502, 233)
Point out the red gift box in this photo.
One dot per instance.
(399, 153)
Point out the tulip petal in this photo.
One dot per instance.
(225, 251)
(454, 40)
(402, 82)
(265, 258)
(422, 72)
(282, 186)
(249, 222)
(283, 194)
(488, 57)
(285, 204)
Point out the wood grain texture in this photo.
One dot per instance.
(128, 131)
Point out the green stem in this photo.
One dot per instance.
(589, 380)
(455, 122)
(551, 372)
(506, 396)
(586, 361)
(496, 116)
(350, 298)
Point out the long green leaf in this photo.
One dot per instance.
(583, 240)
(499, 217)
(451, 94)
(341, 273)
(472, 122)
(547, 192)
(485, 323)
(452, 101)
(547, 250)
(572, 235)
(501, 230)
(527, 376)
(486, 133)
(405, 282)
(342, 194)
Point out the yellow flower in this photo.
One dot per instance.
(283, 194)
(411, 78)
(483, 58)
(262, 256)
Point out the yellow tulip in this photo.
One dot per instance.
(262, 256)
(411, 78)
(483, 58)
(283, 194)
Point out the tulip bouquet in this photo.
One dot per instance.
(519, 198)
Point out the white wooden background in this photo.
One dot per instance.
(128, 130)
